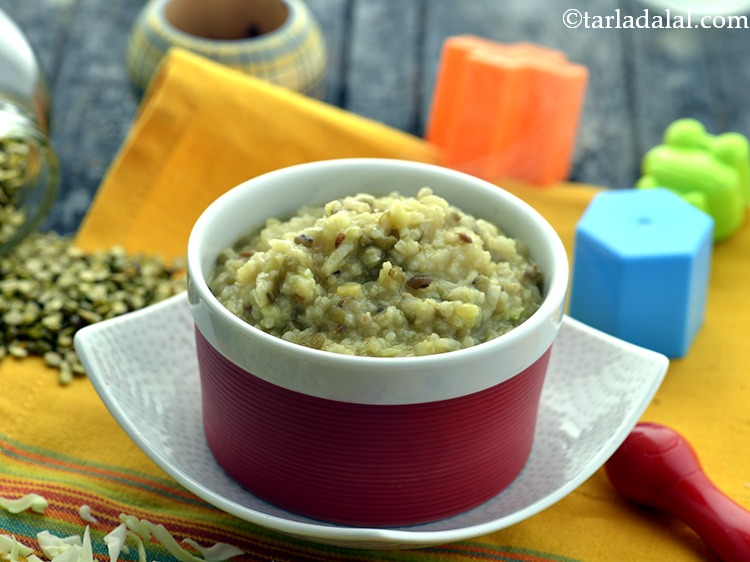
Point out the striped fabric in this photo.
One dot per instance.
(69, 482)
(293, 56)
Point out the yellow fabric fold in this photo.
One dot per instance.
(201, 130)
(186, 149)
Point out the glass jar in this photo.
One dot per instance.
(29, 170)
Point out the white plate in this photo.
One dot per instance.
(144, 367)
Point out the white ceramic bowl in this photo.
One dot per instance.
(383, 441)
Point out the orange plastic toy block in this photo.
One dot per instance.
(506, 110)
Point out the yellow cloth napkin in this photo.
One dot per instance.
(202, 130)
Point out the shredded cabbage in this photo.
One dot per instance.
(53, 546)
(72, 554)
(9, 543)
(35, 502)
(216, 553)
(12, 550)
(84, 512)
(77, 549)
(115, 541)
(88, 552)
(145, 530)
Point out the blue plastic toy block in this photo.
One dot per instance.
(641, 268)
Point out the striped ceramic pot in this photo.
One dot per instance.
(293, 55)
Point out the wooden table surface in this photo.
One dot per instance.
(384, 56)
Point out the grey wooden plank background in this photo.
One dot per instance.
(384, 56)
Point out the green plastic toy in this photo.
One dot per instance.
(710, 171)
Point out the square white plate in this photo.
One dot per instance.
(144, 367)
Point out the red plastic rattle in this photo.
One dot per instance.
(657, 467)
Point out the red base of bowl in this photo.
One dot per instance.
(363, 464)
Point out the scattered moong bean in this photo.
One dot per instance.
(49, 289)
